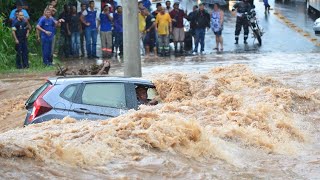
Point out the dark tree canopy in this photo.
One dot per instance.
(35, 7)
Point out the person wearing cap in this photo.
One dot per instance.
(111, 3)
(202, 21)
(177, 16)
(164, 27)
(147, 4)
(105, 23)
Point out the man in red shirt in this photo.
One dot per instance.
(177, 16)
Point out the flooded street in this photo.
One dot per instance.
(247, 113)
(236, 116)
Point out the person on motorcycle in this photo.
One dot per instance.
(243, 8)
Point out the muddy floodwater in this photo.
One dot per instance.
(220, 117)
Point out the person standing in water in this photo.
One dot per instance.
(217, 17)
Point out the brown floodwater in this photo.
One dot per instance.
(224, 122)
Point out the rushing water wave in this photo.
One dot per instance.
(228, 122)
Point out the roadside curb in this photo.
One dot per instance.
(299, 30)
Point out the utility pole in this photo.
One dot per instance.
(131, 37)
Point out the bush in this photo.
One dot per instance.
(7, 46)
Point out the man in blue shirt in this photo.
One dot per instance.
(13, 15)
(89, 18)
(46, 26)
(118, 31)
(105, 21)
(19, 8)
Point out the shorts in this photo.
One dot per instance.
(178, 34)
(218, 33)
(150, 39)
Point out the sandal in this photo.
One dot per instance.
(216, 49)
(221, 49)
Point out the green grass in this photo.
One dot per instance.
(36, 66)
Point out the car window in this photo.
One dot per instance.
(104, 94)
(69, 91)
(37, 93)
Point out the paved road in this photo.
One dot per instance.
(278, 37)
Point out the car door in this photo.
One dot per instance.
(99, 100)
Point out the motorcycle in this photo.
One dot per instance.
(253, 24)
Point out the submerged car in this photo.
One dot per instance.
(86, 97)
(316, 26)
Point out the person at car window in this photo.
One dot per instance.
(142, 97)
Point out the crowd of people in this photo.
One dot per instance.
(79, 30)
